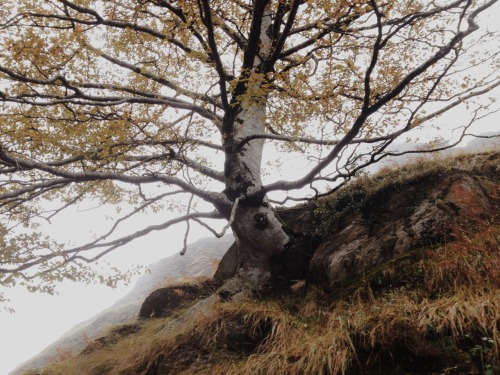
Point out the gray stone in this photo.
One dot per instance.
(396, 221)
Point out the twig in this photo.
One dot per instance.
(226, 227)
(186, 234)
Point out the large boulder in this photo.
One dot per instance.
(164, 301)
(396, 219)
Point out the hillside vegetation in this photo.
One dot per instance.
(433, 310)
(200, 260)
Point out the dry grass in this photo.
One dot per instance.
(434, 310)
(110, 358)
(486, 163)
(390, 330)
(471, 261)
(354, 194)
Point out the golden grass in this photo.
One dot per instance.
(264, 338)
(354, 336)
(109, 359)
(476, 163)
(473, 260)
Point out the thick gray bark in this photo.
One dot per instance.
(260, 238)
(259, 234)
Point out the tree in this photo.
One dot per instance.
(101, 99)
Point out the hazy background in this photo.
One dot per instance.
(41, 319)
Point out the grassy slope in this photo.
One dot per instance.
(431, 311)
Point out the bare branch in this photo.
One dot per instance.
(368, 109)
(71, 255)
(207, 21)
(227, 226)
(116, 176)
(186, 233)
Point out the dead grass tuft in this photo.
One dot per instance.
(471, 261)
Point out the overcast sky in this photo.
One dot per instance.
(40, 319)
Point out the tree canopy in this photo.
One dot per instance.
(145, 101)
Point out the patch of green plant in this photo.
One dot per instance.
(481, 349)
(328, 212)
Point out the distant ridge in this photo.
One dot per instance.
(199, 260)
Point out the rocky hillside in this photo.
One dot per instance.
(201, 259)
(396, 273)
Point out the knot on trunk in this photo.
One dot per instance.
(261, 220)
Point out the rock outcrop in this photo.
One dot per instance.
(338, 239)
(422, 212)
(162, 302)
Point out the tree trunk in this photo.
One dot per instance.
(259, 234)
(260, 238)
